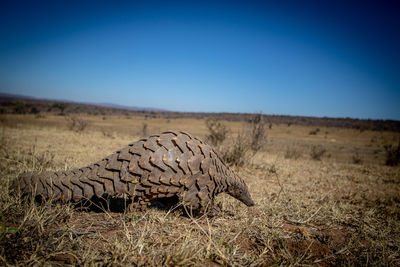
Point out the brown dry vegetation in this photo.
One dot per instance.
(331, 211)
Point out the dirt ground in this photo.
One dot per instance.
(338, 208)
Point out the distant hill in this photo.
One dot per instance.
(19, 104)
(14, 96)
(109, 105)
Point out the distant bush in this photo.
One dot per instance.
(40, 116)
(356, 158)
(292, 153)
(392, 155)
(20, 107)
(317, 152)
(61, 107)
(34, 110)
(314, 132)
(217, 132)
(76, 124)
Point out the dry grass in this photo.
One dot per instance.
(327, 212)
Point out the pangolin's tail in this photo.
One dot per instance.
(99, 179)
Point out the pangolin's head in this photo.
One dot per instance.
(240, 191)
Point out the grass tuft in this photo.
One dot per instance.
(317, 151)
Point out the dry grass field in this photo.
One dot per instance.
(341, 207)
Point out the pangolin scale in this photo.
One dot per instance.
(160, 166)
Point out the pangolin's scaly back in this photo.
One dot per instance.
(164, 165)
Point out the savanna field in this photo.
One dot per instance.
(324, 196)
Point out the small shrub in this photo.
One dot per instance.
(236, 154)
(144, 130)
(240, 149)
(356, 158)
(218, 132)
(76, 124)
(314, 132)
(392, 155)
(377, 151)
(272, 169)
(108, 134)
(317, 152)
(292, 153)
(257, 135)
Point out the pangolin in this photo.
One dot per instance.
(160, 166)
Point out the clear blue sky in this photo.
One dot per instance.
(314, 58)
